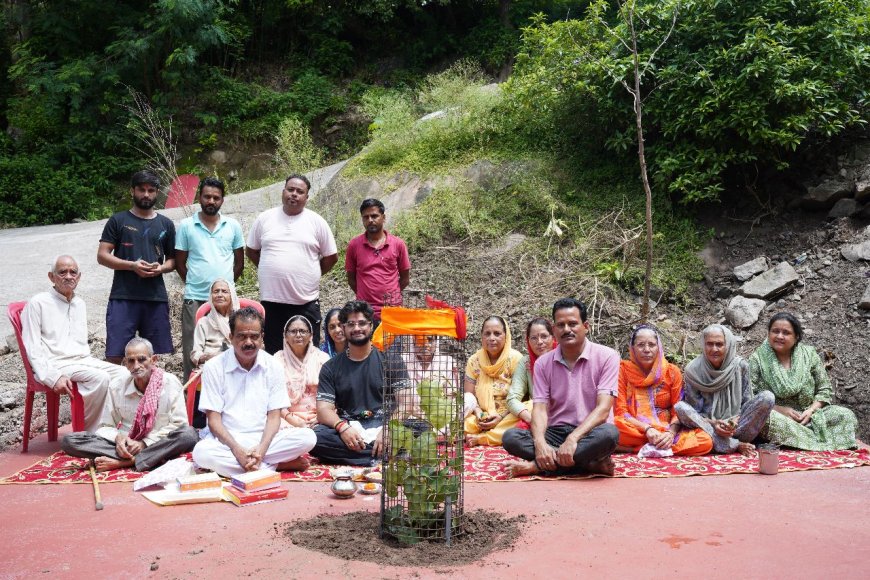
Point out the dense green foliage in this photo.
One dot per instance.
(737, 85)
(531, 183)
(222, 70)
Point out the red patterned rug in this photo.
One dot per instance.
(487, 464)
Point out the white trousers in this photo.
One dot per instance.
(93, 377)
(287, 445)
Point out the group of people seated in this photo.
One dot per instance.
(565, 406)
(721, 403)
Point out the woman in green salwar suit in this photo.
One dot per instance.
(803, 416)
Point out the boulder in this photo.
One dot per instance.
(432, 116)
(745, 271)
(826, 194)
(743, 312)
(864, 304)
(771, 282)
(855, 252)
(12, 343)
(862, 185)
(218, 157)
(845, 207)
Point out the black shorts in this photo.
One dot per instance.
(124, 318)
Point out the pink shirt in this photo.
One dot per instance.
(572, 394)
(377, 270)
(290, 251)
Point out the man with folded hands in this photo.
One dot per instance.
(243, 394)
(144, 421)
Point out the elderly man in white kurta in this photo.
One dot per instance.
(54, 326)
(144, 421)
(243, 394)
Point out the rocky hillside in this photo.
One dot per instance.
(807, 254)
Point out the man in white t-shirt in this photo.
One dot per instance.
(243, 394)
(292, 248)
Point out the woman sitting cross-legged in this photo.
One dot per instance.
(212, 333)
(488, 377)
(302, 362)
(803, 416)
(717, 395)
(539, 341)
(334, 341)
(649, 389)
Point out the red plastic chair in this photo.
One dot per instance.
(52, 399)
(194, 383)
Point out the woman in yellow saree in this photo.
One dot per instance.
(488, 377)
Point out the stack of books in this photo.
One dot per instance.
(209, 480)
(253, 487)
(201, 488)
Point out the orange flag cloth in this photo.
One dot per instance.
(398, 320)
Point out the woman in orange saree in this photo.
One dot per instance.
(649, 387)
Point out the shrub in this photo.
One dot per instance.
(467, 124)
(33, 192)
(295, 152)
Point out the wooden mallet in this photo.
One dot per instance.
(97, 499)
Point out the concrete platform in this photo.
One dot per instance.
(794, 525)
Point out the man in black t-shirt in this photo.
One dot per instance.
(139, 244)
(351, 389)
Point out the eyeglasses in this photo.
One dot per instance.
(541, 338)
(356, 324)
(297, 332)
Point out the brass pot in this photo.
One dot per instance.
(344, 486)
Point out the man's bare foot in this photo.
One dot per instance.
(298, 464)
(472, 440)
(520, 468)
(108, 463)
(603, 467)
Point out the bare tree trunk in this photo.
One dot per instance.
(504, 17)
(638, 113)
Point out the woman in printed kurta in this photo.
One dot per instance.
(488, 377)
(539, 341)
(302, 362)
(803, 416)
(649, 388)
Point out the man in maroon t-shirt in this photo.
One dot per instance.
(377, 263)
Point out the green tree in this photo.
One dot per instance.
(740, 86)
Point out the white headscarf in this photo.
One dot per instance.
(725, 383)
(218, 322)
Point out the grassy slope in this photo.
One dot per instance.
(533, 229)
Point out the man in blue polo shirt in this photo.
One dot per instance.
(207, 246)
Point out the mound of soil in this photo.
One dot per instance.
(484, 532)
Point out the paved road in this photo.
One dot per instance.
(28, 253)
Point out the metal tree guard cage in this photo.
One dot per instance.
(422, 495)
